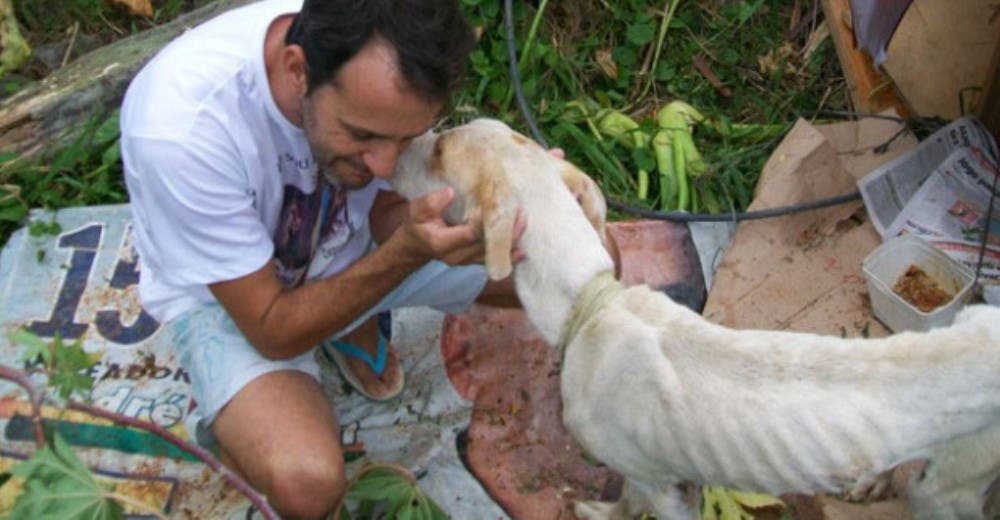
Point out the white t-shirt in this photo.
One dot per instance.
(220, 182)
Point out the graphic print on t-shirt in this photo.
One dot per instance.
(297, 235)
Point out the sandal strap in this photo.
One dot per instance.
(377, 363)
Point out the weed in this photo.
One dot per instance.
(86, 172)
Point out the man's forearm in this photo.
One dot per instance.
(300, 318)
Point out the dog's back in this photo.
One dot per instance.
(776, 411)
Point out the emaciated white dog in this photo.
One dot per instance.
(665, 397)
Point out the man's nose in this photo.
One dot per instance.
(381, 159)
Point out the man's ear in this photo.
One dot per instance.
(293, 63)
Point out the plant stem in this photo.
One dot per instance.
(531, 34)
(34, 396)
(258, 500)
(664, 24)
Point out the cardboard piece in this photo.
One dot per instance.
(803, 271)
(941, 48)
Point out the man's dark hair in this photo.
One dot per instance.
(432, 40)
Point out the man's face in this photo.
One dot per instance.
(358, 125)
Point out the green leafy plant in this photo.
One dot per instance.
(86, 172)
(55, 484)
(58, 485)
(393, 489)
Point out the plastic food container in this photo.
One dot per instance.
(884, 266)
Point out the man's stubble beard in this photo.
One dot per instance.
(326, 159)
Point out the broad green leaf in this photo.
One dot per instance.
(719, 503)
(14, 49)
(69, 369)
(107, 131)
(644, 159)
(112, 154)
(13, 213)
(640, 33)
(747, 10)
(402, 497)
(756, 500)
(58, 486)
(35, 347)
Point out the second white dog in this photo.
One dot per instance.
(665, 397)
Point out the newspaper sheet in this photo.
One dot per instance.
(890, 187)
(942, 192)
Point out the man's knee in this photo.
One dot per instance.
(306, 488)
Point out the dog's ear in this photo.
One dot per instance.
(589, 195)
(497, 205)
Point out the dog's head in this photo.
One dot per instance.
(492, 168)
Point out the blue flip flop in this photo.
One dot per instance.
(377, 363)
(337, 351)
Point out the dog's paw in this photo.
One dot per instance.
(870, 488)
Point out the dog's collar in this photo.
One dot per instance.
(593, 296)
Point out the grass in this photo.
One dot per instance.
(575, 58)
(598, 54)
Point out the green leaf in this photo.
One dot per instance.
(107, 131)
(112, 154)
(35, 347)
(394, 487)
(640, 33)
(724, 504)
(644, 159)
(58, 486)
(747, 10)
(15, 213)
(69, 370)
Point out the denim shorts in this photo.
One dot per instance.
(220, 361)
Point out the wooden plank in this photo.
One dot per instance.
(871, 91)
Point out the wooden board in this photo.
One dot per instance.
(871, 91)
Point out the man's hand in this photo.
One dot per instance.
(430, 237)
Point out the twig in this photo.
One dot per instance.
(113, 27)
(72, 42)
(702, 66)
(34, 396)
(204, 455)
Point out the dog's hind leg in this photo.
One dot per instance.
(957, 482)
